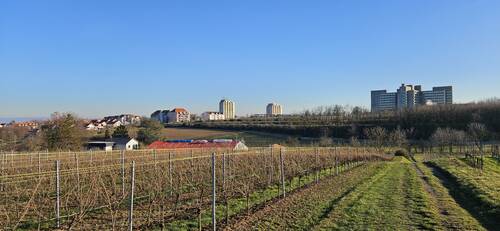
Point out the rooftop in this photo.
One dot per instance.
(179, 110)
(182, 145)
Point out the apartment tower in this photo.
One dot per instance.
(274, 109)
(227, 108)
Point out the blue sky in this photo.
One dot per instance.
(96, 58)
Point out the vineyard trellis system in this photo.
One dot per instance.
(186, 189)
(495, 153)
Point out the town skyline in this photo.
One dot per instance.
(212, 108)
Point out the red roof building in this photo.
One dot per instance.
(233, 145)
(178, 115)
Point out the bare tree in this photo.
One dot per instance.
(377, 136)
(325, 141)
(398, 137)
(478, 134)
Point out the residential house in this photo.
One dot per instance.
(96, 125)
(32, 125)
(125, 119)
(125, 143)
(113, 121)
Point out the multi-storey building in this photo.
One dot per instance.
(29, 124)
(383, 100)
(160, 115)
(178, 115)
(227, 108)
(274, 109)
(438, 95)
(409, 96)
(212, 115)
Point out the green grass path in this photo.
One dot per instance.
(393, 199)
(304, 209)
(392, 195)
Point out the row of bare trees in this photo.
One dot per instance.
(380, 137)
(445, 139)
(476, 134)
(337, 121)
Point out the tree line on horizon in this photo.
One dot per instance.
(345, 122)
(441, 125)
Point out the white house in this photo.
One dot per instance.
(212, 115)
(96, 125)
(125, 144)
(91, 126)
(116, 124)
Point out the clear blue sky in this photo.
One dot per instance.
(96, 58)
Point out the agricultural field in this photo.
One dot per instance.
(390, 195)
(158, 189)
(260, 189)
(251, 138)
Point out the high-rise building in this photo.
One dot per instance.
(227, 108)
(409, 96)
(438, 95)
(383, 100)
(274, 109)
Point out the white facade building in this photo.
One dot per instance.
(274, 109)
(125, 144)
(212, 115)
(227, 108)
(178, 115)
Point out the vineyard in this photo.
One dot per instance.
(156, 189)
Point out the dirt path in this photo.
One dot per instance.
(452, 215)
(429, 189)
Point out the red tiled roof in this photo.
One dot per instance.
(180, 145)
(179, 110)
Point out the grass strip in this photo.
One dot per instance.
(300, 211)
(394, 199)
(452, 215)
(477, 191)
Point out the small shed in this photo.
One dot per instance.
(100, 145)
